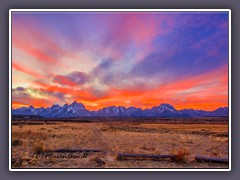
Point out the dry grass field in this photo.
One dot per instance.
(186, 140)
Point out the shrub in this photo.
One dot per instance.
(214, 153)
(17, 142)
(38, 149)
(181, 155)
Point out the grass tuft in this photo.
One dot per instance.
(181, 155)
(39, 149)
(17, 142)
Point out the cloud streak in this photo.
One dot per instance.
(112, 58)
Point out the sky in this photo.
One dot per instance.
(139, 59)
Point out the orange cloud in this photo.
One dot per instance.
(207, 92)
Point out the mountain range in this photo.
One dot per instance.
(76, 109)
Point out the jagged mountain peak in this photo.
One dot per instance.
(75, 103)
(31, 107)
(76, 109)
(166, 105)
(55, 106)
(65, 105)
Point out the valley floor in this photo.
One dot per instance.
(31, 138)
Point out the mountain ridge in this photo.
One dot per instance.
(76, 109)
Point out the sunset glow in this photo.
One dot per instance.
(139, 59)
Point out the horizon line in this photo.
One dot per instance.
(117, 106)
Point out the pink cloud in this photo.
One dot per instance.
(26, 70)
